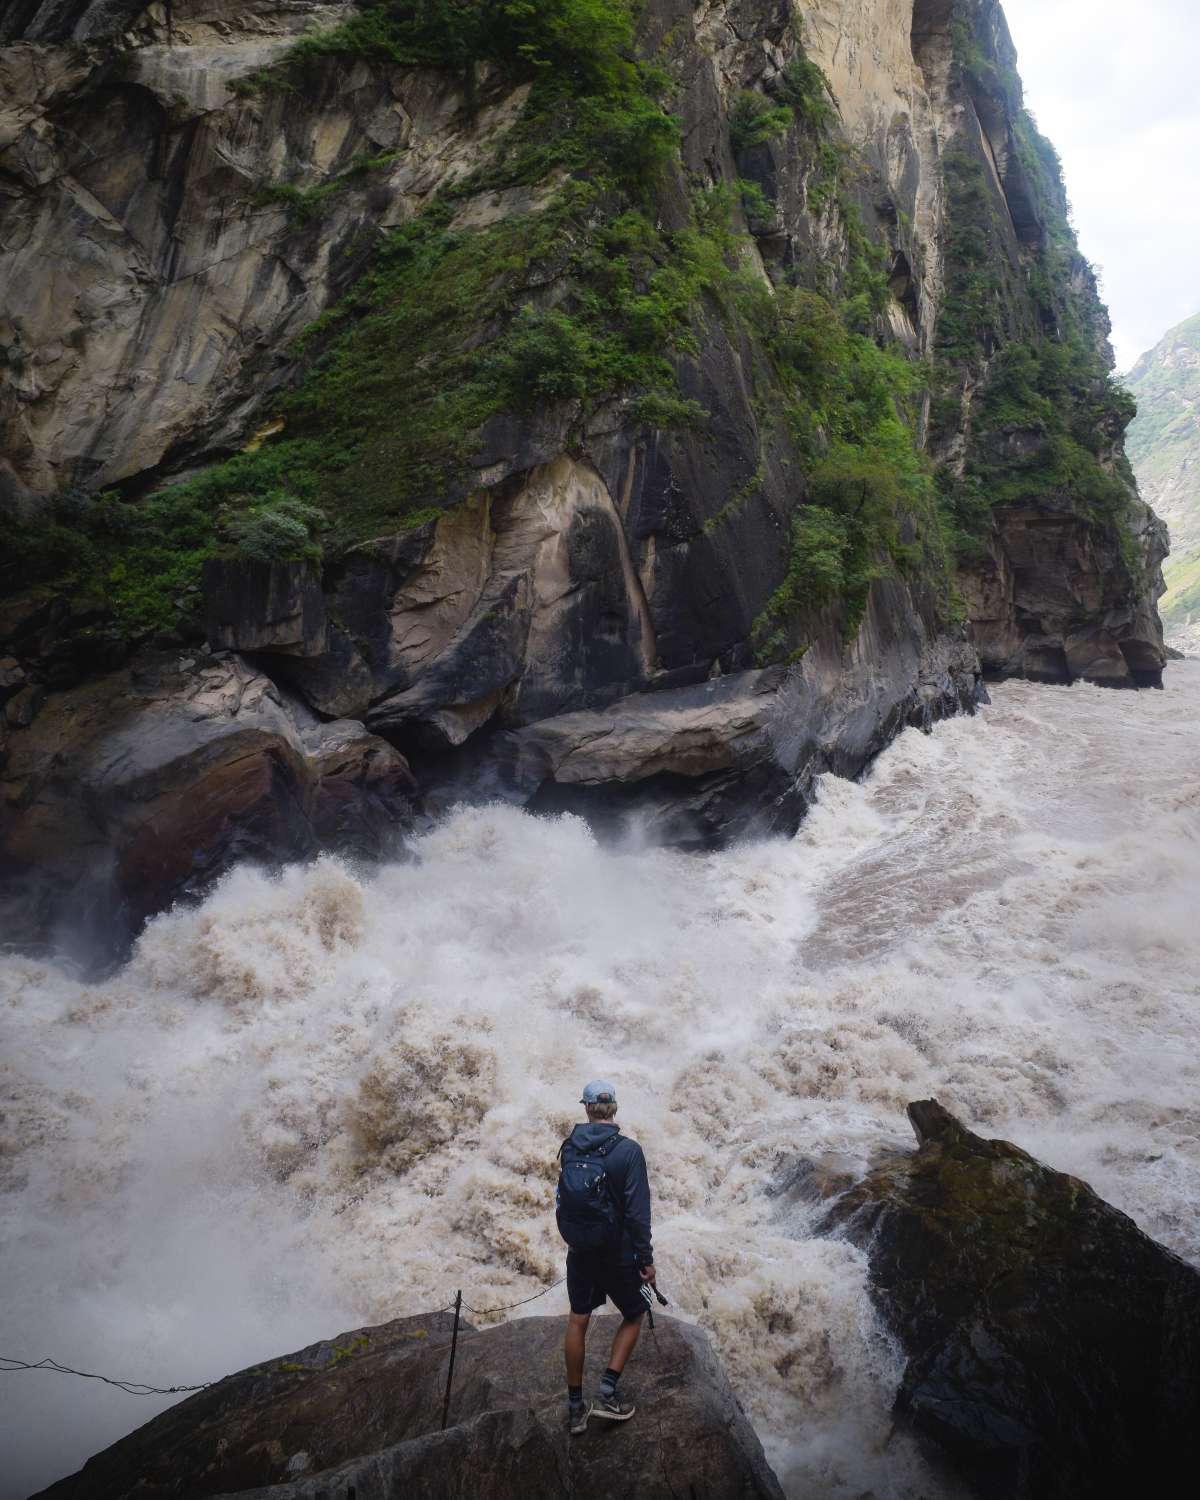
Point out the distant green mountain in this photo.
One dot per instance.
(1163, 445)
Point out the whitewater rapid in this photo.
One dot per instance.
(329, 1098)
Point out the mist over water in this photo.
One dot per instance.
(323, 1100)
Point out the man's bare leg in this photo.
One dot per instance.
(624, 1339)
(574, 1345)
(607, 1404)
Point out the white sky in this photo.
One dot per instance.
(1115, 84)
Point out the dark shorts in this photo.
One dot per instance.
(592, 1278)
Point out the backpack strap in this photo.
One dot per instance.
(601, 1149)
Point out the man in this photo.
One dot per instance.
(604, 1216)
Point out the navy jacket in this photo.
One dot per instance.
(626, 1169)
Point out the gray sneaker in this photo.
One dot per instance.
(612, 1408)
(577, 1417)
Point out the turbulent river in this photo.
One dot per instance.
(324, 1099)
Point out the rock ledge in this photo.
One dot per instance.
(361, 1415)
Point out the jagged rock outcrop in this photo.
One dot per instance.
(142, 786)
(1051, 599)
(617, 507)
(1164, 449)
(1053, 1348)
(736, 754)
(361, 1414)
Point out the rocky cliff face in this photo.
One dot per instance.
(1164, 449)
(1026, 421)
(624, 423)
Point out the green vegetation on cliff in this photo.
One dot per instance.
(1020, 357)
(581, 46)
(850, 407)
(588, 299)
(446, 328)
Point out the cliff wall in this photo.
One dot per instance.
(1164, 449)
(639, 423)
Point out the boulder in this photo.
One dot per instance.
(337, 682)
(12, 676)
(522, 603)
(264, 606)
(22, 708)
(361, 1415)
(145, 785)
(1053, 1348)
(362, 793)
(695, 766)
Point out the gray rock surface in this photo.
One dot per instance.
(1053, 1348)
(148, 288)
(277, 607)
(1051, 602)
(144, 785)
(362, 1412)
(735, 754)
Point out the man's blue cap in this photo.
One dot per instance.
(599, 1092)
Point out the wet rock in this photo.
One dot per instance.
(264, 606)
(812, 1179)
(693, 766)
(1053, 1348)
(361, 1415)
(22, 708)
(12, 676)
(703, 763)
(144, 786)
(364, 794)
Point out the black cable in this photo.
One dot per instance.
(483, 1311)
(130, 1387)
(10, 1365)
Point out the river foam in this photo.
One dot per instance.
(324, 1098)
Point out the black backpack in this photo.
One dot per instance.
(584, 1203)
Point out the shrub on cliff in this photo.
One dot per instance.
(279, 530)
(804, 88)
(754, 120)
(586, 42)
